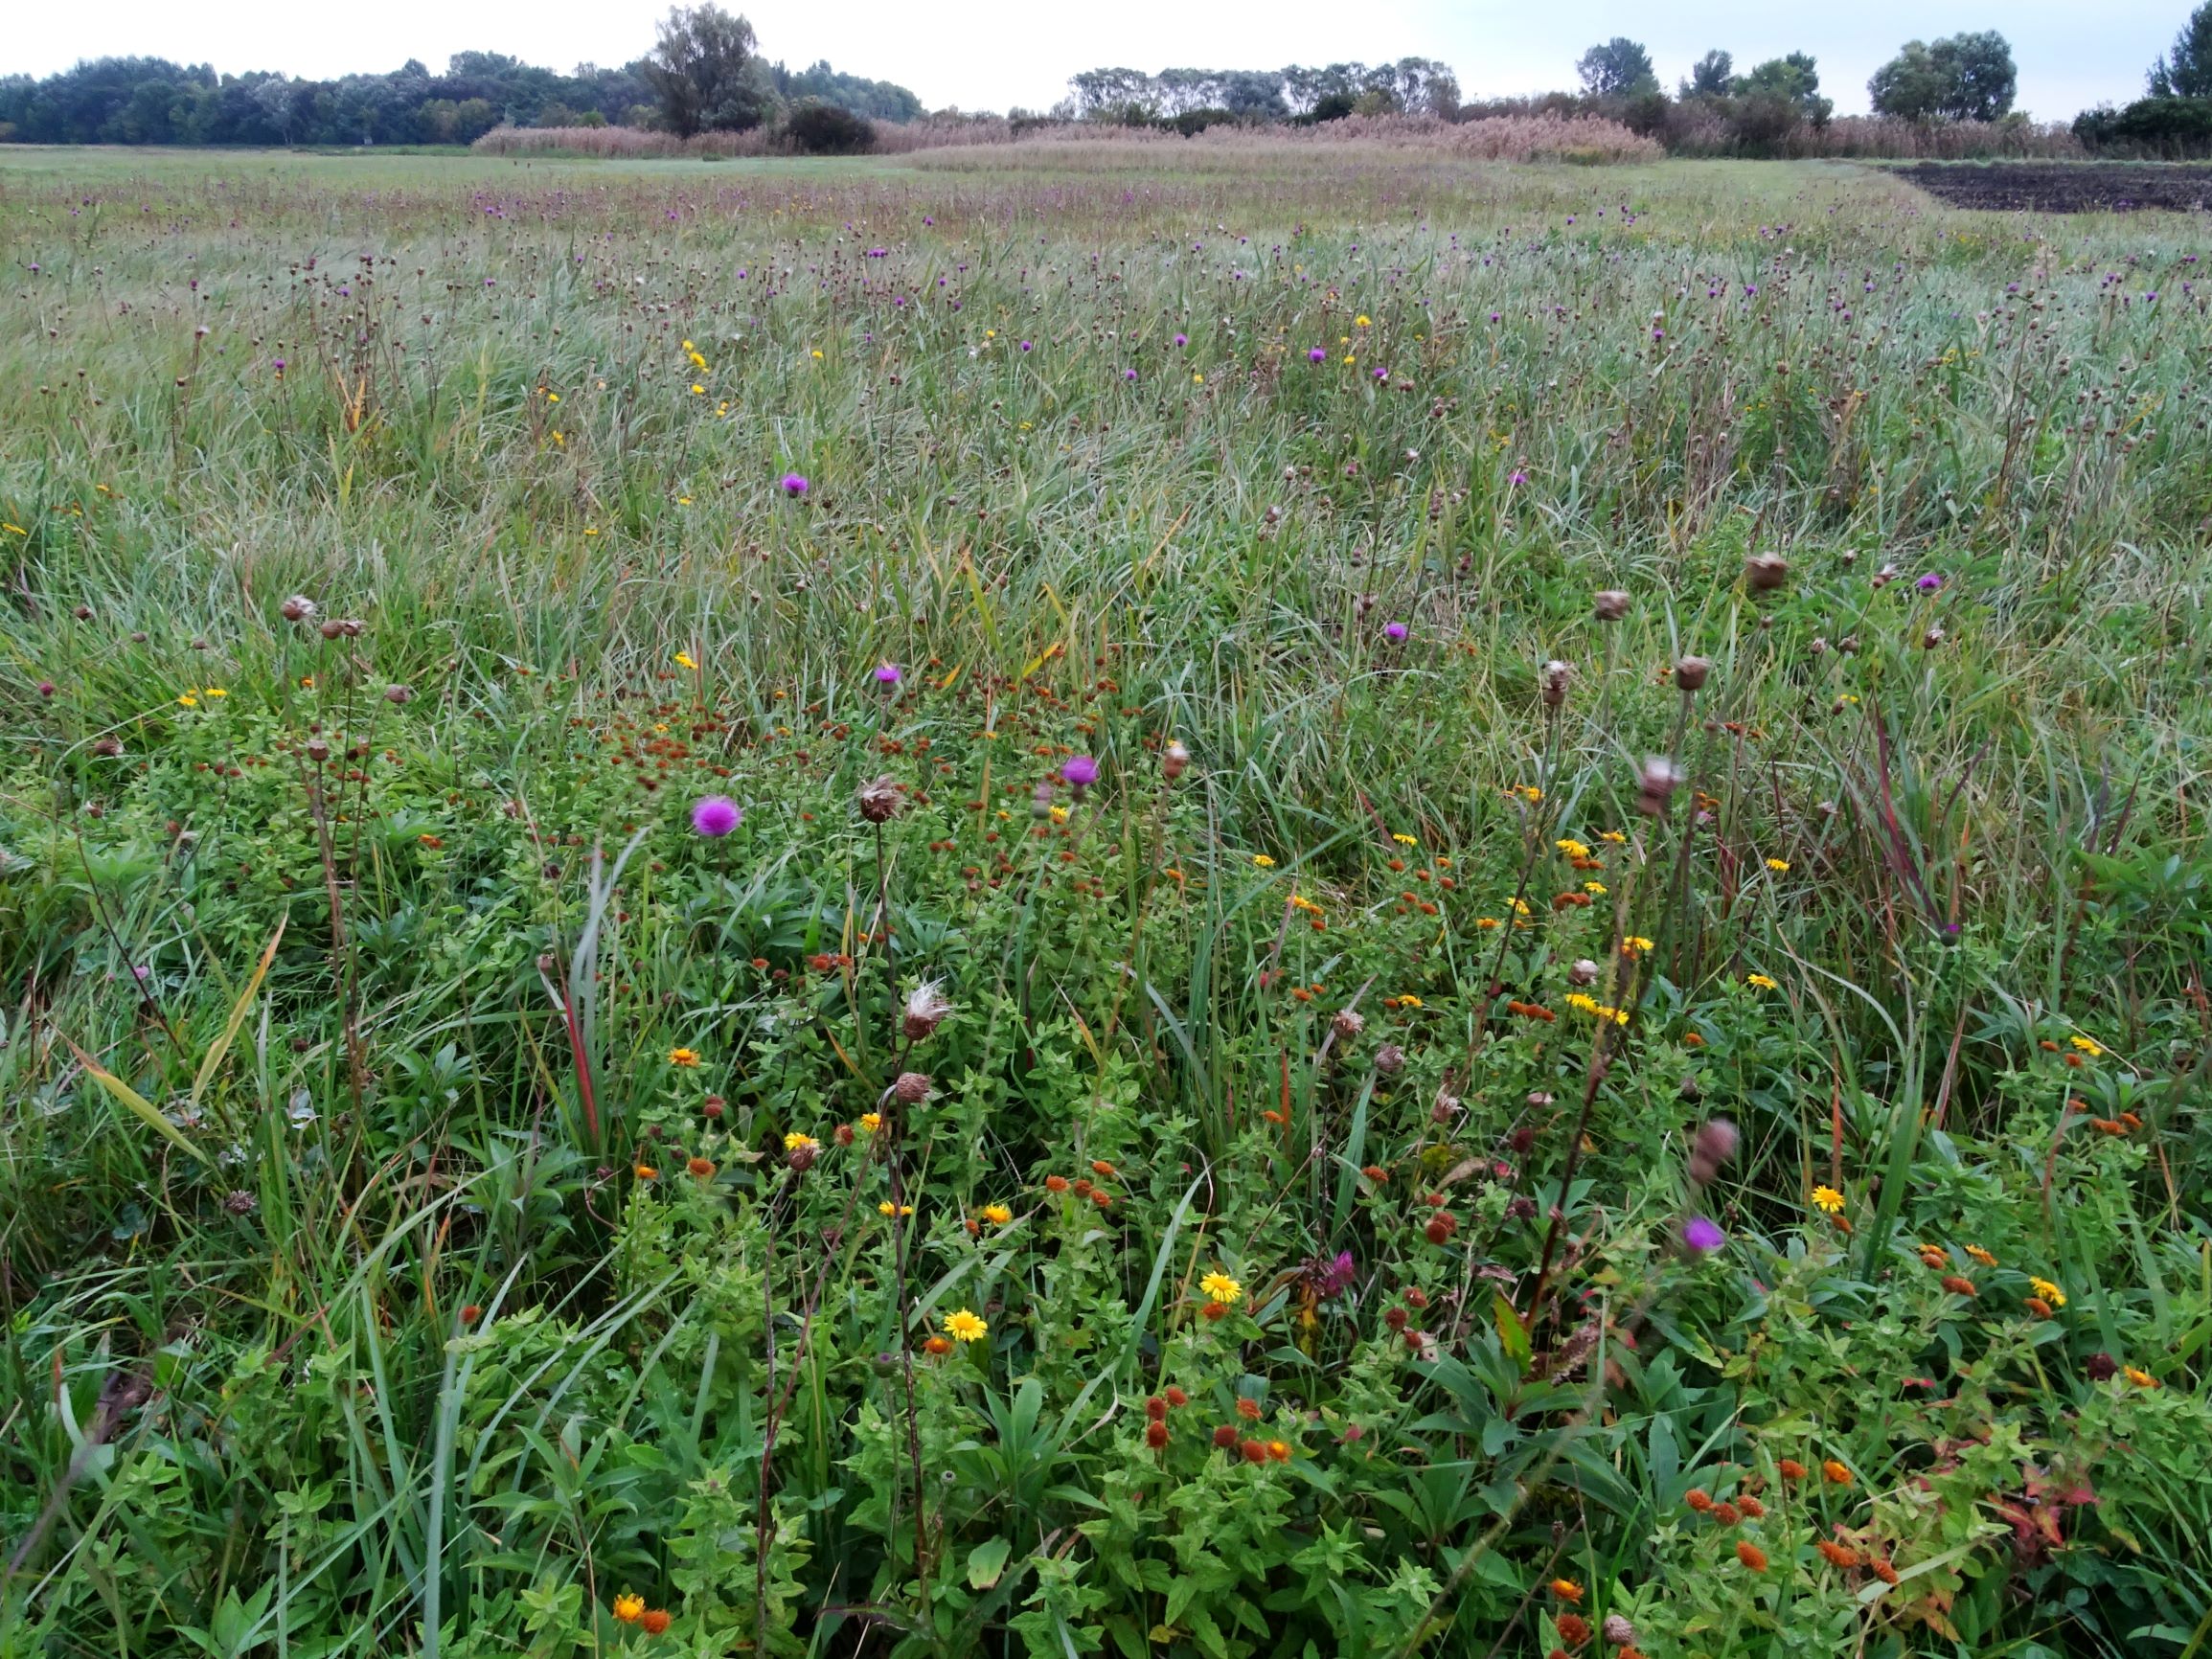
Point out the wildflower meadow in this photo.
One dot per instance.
(1099, 899)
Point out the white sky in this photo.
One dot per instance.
(990, 54)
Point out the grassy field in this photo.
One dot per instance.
(1258, 903)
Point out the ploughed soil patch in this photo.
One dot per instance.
(2064, 187)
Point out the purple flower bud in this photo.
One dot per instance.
(716, 815)
(1182, 339)
(1394, 630)
(794, 484)
(887, 674)
(1930, 582)
(1081, 772)
(1701, 1235)
(1319, 355)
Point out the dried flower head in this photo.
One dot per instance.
(1173, 760)
(1691, 672)
(1611, 605)
(1348, 1024)
(1618, 1630)
(1389, 1060)
(879, 799)
(1583, 972)
(1554, 683)
(926, 1010)
(1656, 785)
(1764, 573)
(299, 608)
(911, 1087)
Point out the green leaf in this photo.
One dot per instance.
(987, 1561)
(1512, 1333)
(137, 1102)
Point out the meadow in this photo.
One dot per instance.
(1087, 898)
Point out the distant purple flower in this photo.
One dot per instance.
(1701, 1235)
(1496, 315)
(1319, 355)
(1081, 772)
(886, 673)
(1394, 630)
(1382, 374)
(716, 815)
(46, 688)
(280, 365)
(1332, 1276)
(794, 484)
(927, 220)
(1518, 476)
(1930, 582)
(1128, 373)
(1025, 346)
(1182, 339)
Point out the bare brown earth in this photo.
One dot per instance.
(2065, 187)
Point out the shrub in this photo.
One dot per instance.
(829, 129)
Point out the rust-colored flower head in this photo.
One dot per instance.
(926, 1010)
(937, 1347)
(1553, 682)
(1389, 1060)
(108, 748)
(912, 1088)
(1656, 785)
(1584, 971)
(1611, 605)
(299, 608)
(1226, 1436)
(1574, 1630)
(1691, 673)
(1155, 1434)
(1173, 762)
(318, 751)
(879, 800)
(1348, 1024)
(1764, 573)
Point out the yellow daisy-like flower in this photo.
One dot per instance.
(887, 1208)
(1980, 1255)
(967, 1327)
(2141, 1378)
(1221, 1288)
(1518, 906)
(1060, 814)
(1572, 847)
(1197, 379)
(1404, 840)
(871, 1120)
(795, 1142)
(1362, 322)
(683, 660)
(186, 700)
(1529, 793)
(683, 1058)
(816, 355)
(629, 1609)
(2089, 1046)
(2048, 1291)
(1486, 923)
(1594, 887)
(997, 1215)
(213, 691)
(1263, 861)
(645, 1171)
(1761, 981)
(1826, 1200)
(1635, 946)
(1780, 866)
(1409, 1000)
(1614, 836)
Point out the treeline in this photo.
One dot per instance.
(152, 100)
(1193, 99)
(2175, 117)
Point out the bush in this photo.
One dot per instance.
(2160, 127)
(827, 129)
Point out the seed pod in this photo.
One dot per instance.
(912, 1087)
(801, 1158)
(298, 609)
(1611, 605)
(1556, 675)
(1691, 671)
(925, 1010)
(1764, 573)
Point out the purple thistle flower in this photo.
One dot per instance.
(1394, 630)
(1182, 339)
(794, 484)
(1081, 772)
(1517, 477)
(1319, 355)
(1930, 582)
(1701, 1235)
(887, 674)
(1382, 374)
(716, 815)
(1025, 346)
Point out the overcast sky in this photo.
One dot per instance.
(990, 54)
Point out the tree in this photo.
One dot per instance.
(1709, 76)
(1793, 81)
(705, 74)
(1963, 77)
(1620, 68)
(2185, 69)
